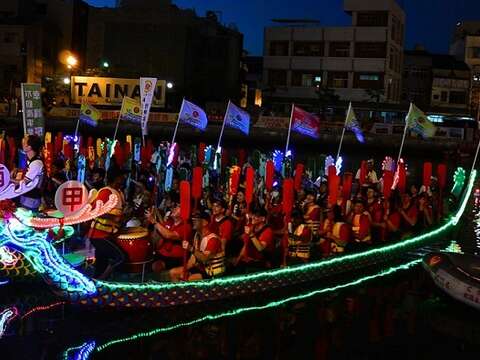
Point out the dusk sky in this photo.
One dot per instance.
(429, 22)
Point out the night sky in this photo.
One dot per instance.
(429, 22)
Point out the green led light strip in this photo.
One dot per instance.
(272, 304)
(345, 259)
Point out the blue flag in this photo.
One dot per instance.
(237, 118)
(193, 115)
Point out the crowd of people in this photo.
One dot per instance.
(224, 234)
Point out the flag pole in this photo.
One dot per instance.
(343, 132)
(76, 128)
(289, 130)
(178, 122)
(404, 136)
(475, 158)
(223, 127)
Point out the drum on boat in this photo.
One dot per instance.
(135, 242)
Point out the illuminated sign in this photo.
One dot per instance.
(110, 91)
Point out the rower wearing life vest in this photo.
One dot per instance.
(207, 258)
(299, 238)
(258, 242)
(32, 200)
(360, 222)
(168, 237)
(312, 212)
(325, 232)
(221, 224)
(341, 232)
(102, 230)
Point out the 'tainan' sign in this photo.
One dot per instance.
(110, 91)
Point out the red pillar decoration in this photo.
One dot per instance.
(333, 183)
(201, 153)
(288, 199)
(197, 182)
(387, 183)
(402, 178)
(347, 185)
(363, 172)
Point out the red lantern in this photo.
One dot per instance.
(442, 175)
(288, 193)
(269, 175)
(363, 173)
(249, 184)
(49, 157)
(427, 174)
(234, 180)
(197, 181)
(185, 200)
(387, 183)
(347, 185)
(201, 153)
(298, 176)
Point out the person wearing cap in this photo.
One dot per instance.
(371, 176)
(206, 256)
(220, 224)
(359, 219)
(103, 229)
(168, 238)
(258, 244)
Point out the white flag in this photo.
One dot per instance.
(147, 89)
(193, 115)
(237, 118)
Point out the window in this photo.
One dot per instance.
(304, 48)
(436, 97)
(338, 79)
(443, 96)
(277, 77)
(278, 48)
(458, 97)
(339, 49)
(305, 78)
(368, 81)
(9, 37)
(474, 53)
(370, 50)
(372, 18)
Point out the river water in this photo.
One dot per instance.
(395, 317)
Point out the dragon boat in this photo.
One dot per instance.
(30, 237)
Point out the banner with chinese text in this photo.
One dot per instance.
(33, 121)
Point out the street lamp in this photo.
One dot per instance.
(66, 80)
(71, 61)
(169, 85)
(106, 64)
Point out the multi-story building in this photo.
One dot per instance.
(199, 55)
(302, 59)
(417, 77)
(450, 83)
(465, 47)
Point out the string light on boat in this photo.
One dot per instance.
(273, 304)
(42, 308)
(81, 352)
(8, 257)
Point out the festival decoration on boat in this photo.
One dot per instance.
(333, 184)
(347, 185)
(427, 174)
(363, 172)
(6, 316)
(234, 180)
(197, 180)
(387, 183)
(388, 164)
(71, 197)
(330, 161)
(12, 191)
(278, 160)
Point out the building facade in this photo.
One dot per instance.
(356, 63)
(465, 47)
(417, 77)
(199, 55)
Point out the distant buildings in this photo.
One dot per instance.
(303, 61)
(198, 55)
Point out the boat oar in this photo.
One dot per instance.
(197, 180)
(288, 198)
(185, 215)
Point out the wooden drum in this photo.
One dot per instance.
(135, 242)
